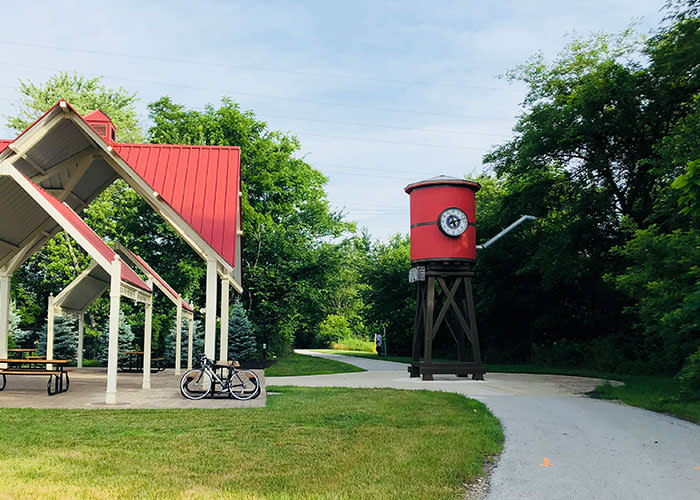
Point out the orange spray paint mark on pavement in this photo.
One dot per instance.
(546, 463)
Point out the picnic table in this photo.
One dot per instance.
(58, 376)
(22, 352)
(132, 362)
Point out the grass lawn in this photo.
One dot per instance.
(308, 444)
(299, 364)
(653, 393)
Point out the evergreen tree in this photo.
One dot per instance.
(19, 337)
(15, 331)
(241, 335)
(65, 340)
(25, 339)
(126, 339)
(197, 344)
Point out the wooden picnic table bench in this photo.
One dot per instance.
(20, 351)
(58, 376)
(132, 362)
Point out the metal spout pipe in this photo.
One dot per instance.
(505, 231)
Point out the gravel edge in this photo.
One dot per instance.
(479, 488)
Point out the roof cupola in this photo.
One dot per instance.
(102, 124)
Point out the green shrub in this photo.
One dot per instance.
(282, 342)
(334, 328)
(604, 354)
(352, 343)
(689, 378)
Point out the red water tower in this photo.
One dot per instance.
(443, 252)
(442, 220)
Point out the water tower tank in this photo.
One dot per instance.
(442, 220)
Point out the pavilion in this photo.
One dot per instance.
(84, 290)
(68, 160)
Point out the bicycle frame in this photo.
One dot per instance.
(206, 368)
(225, 383)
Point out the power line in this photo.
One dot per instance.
(402, 176)
(354, 124)
(332, 176)
(171, 84)
(400, 143)
(393, 127)
(179, 61)
(373, 169)
(358, 139)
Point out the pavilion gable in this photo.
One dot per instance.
(83, 291)
(38, 205)
(136, 261)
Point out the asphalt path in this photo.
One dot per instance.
(559, 444)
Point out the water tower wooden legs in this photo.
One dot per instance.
(447, 291)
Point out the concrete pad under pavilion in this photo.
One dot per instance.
(87, 392)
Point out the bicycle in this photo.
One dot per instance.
(200, 382)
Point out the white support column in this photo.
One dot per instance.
(50, 330)
(190, 336)
(81, 336)
(210, 311)
(178, 337)
(113, 346)
(4, 315)
(147, 343)
(223, 345)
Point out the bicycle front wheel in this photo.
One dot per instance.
(195, 384)
(244, 384)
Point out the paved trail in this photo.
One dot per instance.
(597, 449)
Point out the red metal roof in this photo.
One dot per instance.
(201, 183)
(4, 143)
(128, 275)
(158, 277)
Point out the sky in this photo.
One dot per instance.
(380, 94)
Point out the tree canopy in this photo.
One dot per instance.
(85, 95)
(605, 154)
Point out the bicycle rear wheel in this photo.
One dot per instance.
(244, 384)
(195, 384)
